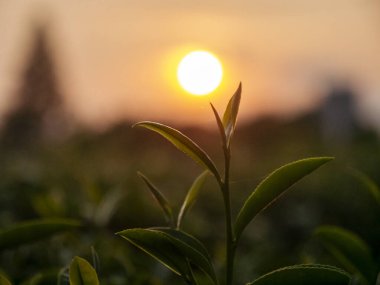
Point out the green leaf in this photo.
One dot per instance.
(192, 249)
(4, 280)
(230, 115)
(184, 144)
(82, 273)
(312, 274)
(350, 250)
(159, 246)
(220, 127)
(191, 196)
(368, 184)
(160, 198)
(274, 186)
(172, 248)
(42, 278)
(31, 231)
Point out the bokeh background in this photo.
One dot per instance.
(74, 77)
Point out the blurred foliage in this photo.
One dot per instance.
(92, 177)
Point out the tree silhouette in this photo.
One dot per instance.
(38, 111)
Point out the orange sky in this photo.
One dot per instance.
(117, 58)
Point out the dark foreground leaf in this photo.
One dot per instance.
(31, 231)
(312, 274)
(183, 143)
(350, 250)
(273, 187)
(172, 248)
(192, 249)
(82, 273)
(159, 246)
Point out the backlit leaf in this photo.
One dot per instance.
(82, 273)
(160, 198)
(304, 275)
(273, 187)
(191, 196)
(350, 250)
(31, 231)
(184, 144)
(230, 115)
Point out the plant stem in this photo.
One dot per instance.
(230, 243)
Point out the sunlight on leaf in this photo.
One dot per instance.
(184, 144)
(31, 231)
(310, 274)
(160, 198)
(273, 187)
(230, 115)
(191, 196)
(349, 249)
(82, 273)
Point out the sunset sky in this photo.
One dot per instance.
(117, 58)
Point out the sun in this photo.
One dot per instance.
(200, 72)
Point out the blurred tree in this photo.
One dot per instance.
(37, 113)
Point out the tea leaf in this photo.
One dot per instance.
(173, 248)
(220, 127)
(184, 144)
(349, 249)
(4, 280)
(31, 231)
(191, 196)
(273, 187)
(159, 246)
(304, 275)
(369, 185)
(230, 115)
(45, 277)
(82, 273)
(160, 198)
(192, 249)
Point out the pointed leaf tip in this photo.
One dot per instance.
(230, 114)
(160, 198)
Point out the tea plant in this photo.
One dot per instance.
(350, 250)
(178, 250)
(182, 253)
